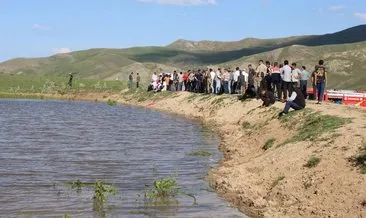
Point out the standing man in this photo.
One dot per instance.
(185, 79)
(212, 78)
(296, 74)
(304, 77)
(286, 73)
(260, 73)
(236, 77)
(154, 77)
(276, 80)
(313, 79)
(226, 78)
(175, 80)
(321, 81)
(138, 78)
(218, 81)
(180, 81)
(130, 80)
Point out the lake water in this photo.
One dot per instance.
(45, 145)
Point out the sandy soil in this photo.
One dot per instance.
(274, 182)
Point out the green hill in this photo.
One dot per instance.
(345, 62)
(343, 51)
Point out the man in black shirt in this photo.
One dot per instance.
(130, 80)
(296, 101)
(267, 98)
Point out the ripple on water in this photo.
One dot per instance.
(46, 144)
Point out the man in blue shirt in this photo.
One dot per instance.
(304, 77)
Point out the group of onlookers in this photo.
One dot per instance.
(271, 81)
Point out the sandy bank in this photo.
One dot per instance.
(264, 172)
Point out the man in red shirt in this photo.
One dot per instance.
(185, 79)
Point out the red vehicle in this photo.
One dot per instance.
(348, 97)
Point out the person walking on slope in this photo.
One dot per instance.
(69, 83)
(130, 80)
(138, 79)
(296, 101)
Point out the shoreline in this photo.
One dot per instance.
(271, 182)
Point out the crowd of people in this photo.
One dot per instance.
(268, 81)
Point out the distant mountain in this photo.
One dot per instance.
(351, 35)
(343, 51)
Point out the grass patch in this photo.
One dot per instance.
(54, 84)
(192, 97)
(206, 97)
(111, 102)
(246, 125)
(277, 181)
(269, 143)
(313, 125)
(218, 101)
(200, 153)
(312, 162)
(360, 160)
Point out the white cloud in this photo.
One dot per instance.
(361, 16)
(181, 2)
(337, 7)
(61, 50)
(41, 27)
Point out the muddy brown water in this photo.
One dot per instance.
(44, 145)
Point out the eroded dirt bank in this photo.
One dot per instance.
(299, 166)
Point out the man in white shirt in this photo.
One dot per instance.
(212, 77)
(286, 73)
(218, 81)
(154, 77)
(296, 73)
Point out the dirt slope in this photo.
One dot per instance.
(275, 182)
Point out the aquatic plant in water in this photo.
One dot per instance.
(101, 191)
(163, 188)
(111, 102)
(200, 153)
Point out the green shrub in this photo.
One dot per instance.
(269, 143)
(246, 125)
(312, 162)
